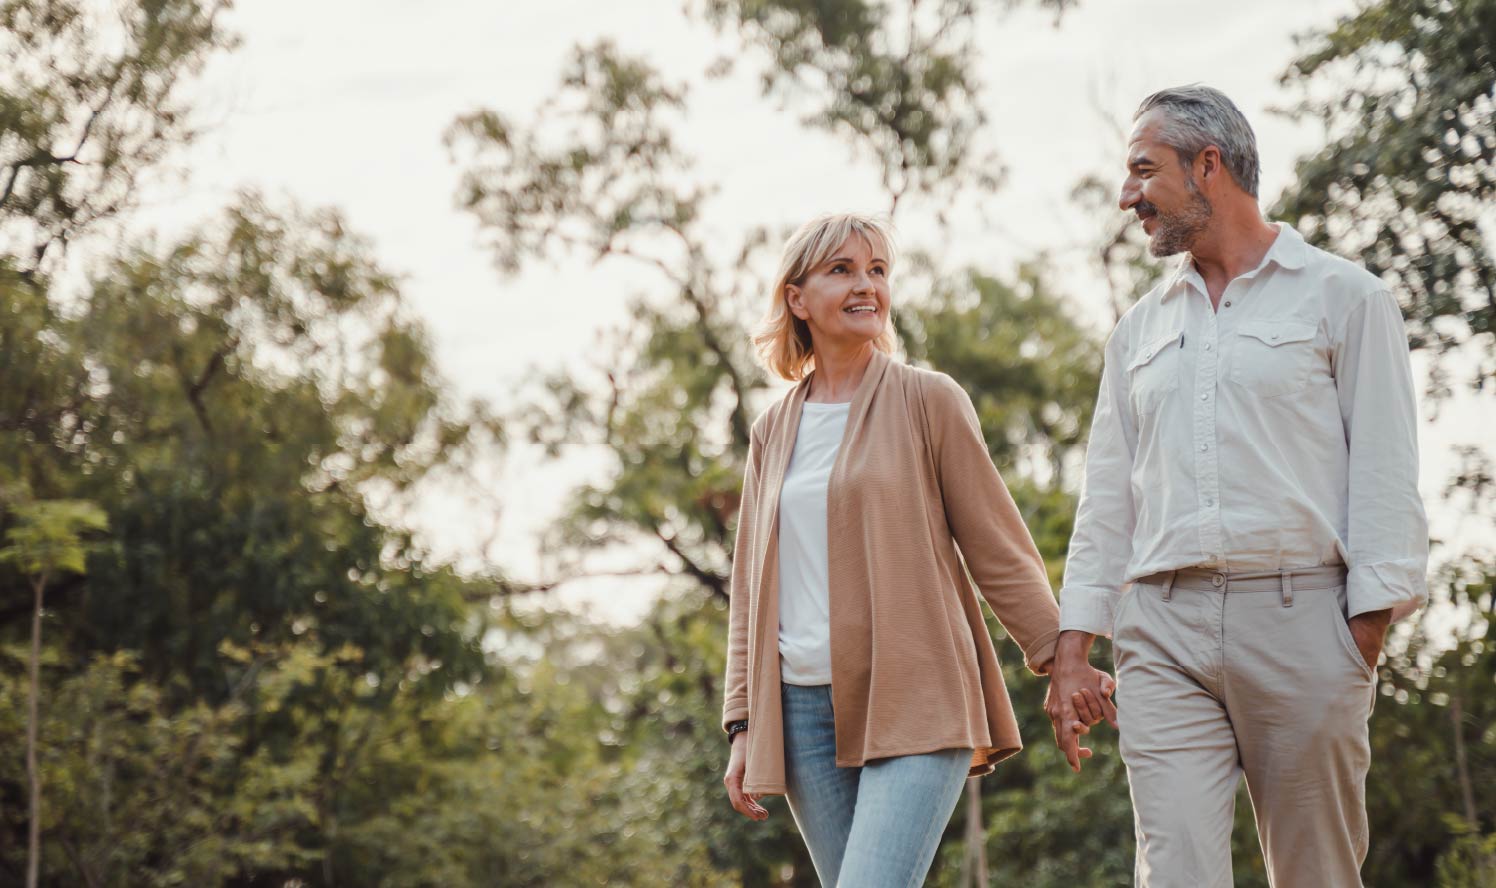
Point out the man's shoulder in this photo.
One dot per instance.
(1139, 312)
(1339, 275)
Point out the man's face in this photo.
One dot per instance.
(1162, 191)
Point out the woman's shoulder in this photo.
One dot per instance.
(773, 414)
(932, 388)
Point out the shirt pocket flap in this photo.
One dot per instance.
(1154, 349)
(1277, 332)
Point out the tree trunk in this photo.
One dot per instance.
(974, 869)
(1462, 767)
(34, 833)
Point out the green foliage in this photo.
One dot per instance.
(895, 79)
(258, 637)
(90, 100)
(1407, 181)
(46, 538)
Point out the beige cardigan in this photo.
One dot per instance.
(913, 666)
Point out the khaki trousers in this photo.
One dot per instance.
(1224, 675)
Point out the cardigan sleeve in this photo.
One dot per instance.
(735, 688)
(999, 553)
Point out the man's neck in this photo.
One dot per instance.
(1234, 246)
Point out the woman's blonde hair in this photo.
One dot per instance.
(783, 340)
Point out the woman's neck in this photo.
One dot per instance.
(838, 373)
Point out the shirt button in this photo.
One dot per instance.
(1273, 336)
(1228, 303)
(1207, 346)
(1204, 396)
(1209, 501)
(1204, 447)
(1218, 581)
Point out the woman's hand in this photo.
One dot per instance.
(745, 803)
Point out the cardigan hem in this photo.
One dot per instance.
(992, 753)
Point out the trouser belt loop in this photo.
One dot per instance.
(1287, 578)
(1169, 585)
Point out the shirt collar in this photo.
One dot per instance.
(1287, 251)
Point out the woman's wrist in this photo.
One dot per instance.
(736, 728)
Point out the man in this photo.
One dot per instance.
(1250, 520)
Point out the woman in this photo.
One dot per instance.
(861, 680)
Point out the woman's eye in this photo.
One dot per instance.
(838, 269)
(879, 271)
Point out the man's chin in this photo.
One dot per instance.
(1161, 249)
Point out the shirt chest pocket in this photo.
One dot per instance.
(1273, 358)
(1153, 373)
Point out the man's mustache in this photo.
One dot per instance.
(1144, 209)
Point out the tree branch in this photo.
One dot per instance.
(503, 588)
(740, 423)
(713, 581)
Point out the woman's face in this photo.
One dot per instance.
(845, 299)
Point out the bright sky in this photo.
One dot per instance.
(344, 103)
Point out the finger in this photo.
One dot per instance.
(739, 801)
(1099, 704)
(1079, 727)
(1070, 747)
(759, 811)
(1109, 711)
(1108, 684)
(1090, 708)
(1056, 722)
(1082, 707)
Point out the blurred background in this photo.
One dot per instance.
(375, 388)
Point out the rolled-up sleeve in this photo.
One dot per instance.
(1101, 544)
(1387, 531)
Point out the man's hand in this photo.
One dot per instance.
(1079, 695)
(1370, 630)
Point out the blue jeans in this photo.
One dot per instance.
(868, 827)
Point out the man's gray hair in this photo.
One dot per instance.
(1196, 116)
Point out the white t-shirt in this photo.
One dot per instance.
(804, 576)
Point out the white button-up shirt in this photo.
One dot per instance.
(1277, 432)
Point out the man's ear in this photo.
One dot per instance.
(1208, 164)
(796, 301)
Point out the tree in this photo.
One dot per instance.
(90, 100)
(1407, 179)
(894, 79)
(46, 540)
(246, 405)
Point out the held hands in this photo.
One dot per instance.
(1079, 696)
(743, 802)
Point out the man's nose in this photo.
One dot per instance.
(1129, 197)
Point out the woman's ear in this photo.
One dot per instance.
(796, 301)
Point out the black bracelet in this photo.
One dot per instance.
(736, 728)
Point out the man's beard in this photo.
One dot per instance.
(1177, 230)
